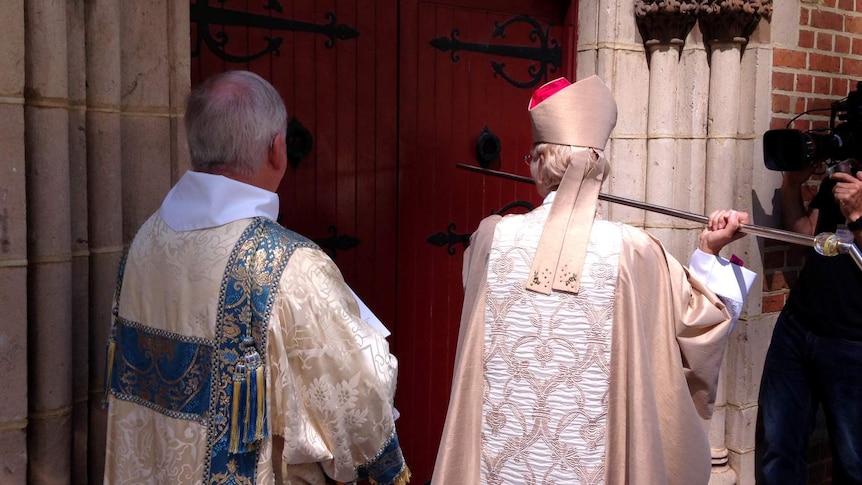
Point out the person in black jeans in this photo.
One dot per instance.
(815, 357)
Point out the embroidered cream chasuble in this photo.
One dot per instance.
(316, 403)
(537, 396)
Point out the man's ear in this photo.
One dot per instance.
(278, 153)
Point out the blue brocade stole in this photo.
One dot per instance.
(219, 383)
(388, 467)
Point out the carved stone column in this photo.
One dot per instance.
(49, 360)
(665, 22)
(726, 26)
(13, 249)
(731, 20)
(663, 25)
(104, 181)
(76, 34)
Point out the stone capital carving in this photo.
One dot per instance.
(731, 20)
(665, 21)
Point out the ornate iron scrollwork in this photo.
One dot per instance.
(207, 16)
(299, 142)
(449, 239)
(488, 147)
(336, 242)
(548, 54)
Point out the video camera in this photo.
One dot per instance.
(791, 150)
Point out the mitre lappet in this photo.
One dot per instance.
(579, 115)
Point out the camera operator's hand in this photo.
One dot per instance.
(795, 214)
(848, 194)
(722, 229)
(798, 177)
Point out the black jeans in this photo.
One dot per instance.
(803, 371)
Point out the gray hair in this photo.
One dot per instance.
(231, 120)
(550, 161)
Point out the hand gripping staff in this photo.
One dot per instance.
(825, 243)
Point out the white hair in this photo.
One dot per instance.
(231, 121)
(550, 161)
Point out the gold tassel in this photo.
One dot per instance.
(254, 418)
(245, 418)
(261, 390)
(403, 478)
(238, 377)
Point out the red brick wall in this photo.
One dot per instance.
(824, 66)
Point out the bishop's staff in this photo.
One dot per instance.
(825, 243)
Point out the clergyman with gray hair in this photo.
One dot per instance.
(237, 352)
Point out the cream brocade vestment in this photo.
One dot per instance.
(609, 385)
(547, 362)
(330, 379)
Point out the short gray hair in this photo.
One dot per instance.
(550, 161)
(231, 120)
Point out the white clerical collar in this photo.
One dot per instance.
(202, 200)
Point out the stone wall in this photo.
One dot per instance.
(90, 94)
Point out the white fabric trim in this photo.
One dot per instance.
(202, 200)
(729, 281)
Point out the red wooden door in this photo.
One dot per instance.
(393, 94)
(459, 74)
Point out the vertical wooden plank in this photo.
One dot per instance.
(454, 142)
(493, 107)
(465, 131)
(302, 215)
(569, 34)
(384, 163)
(513, 111)
(410, 222)
(237, 36)
(480, 80)
(407, 181)
(286, 79)
(365, 129)
(326, 108)
(256, 41)
(345, 94)
(448, 147)
(499, 102)
(427, 265)
(194, 62)
(375, 184)
(210, 63)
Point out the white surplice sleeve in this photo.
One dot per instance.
(333, 378)
(729, 281)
